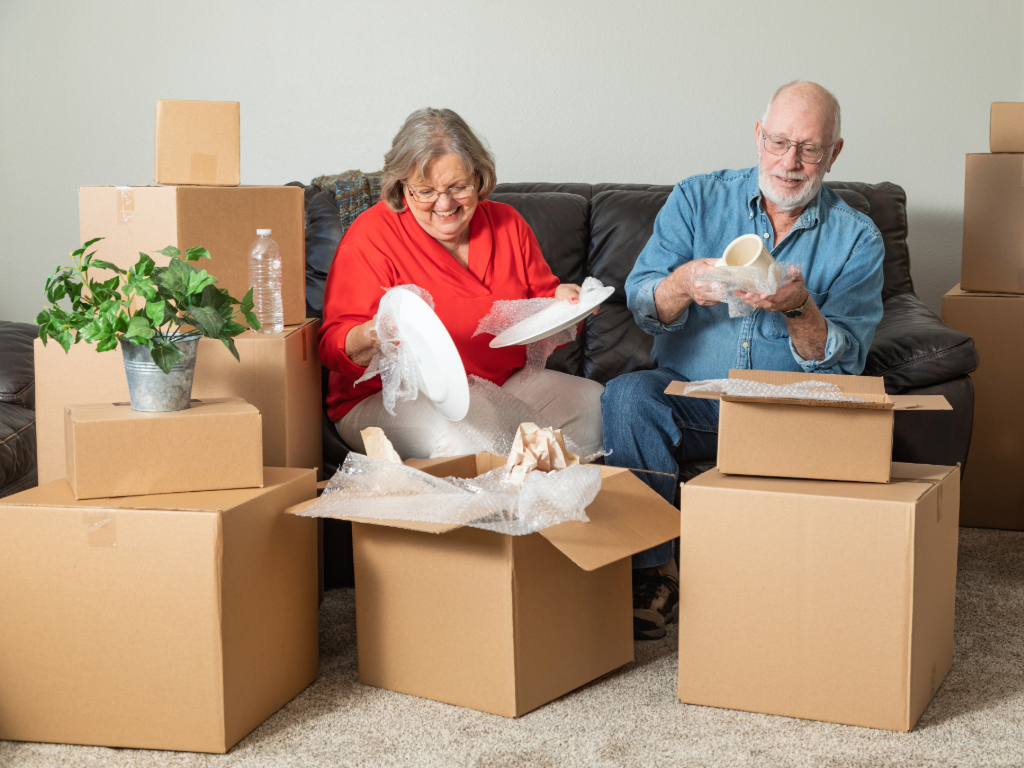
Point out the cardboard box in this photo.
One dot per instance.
(820, 600)
(221, 219)
(826, 440)
(197, 142)
(279, 374)
(993, 487)
(1006, 127)
(179, 621)
(498, 623)
(112, 450)
(993, 247)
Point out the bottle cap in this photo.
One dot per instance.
(262, 231)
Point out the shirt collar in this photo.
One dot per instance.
(807, 219)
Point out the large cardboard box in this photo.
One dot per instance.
(815, 599)
(993, 245)
(499, 623)
(112, 450)
(197, 142)
(1006, 127)
(993, 492)
(835, 440)
(179, 621)
(222, 219)
(279, 374)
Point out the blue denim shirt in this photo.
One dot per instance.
(839, 249)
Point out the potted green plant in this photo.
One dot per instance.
(157, 315)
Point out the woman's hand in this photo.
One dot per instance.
(362, 343)
(571, 293)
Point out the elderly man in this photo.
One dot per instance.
(821, 323)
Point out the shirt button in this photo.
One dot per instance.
(751, 215)
(766, 235)
(745, 345)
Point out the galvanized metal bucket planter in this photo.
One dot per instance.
(149, 388)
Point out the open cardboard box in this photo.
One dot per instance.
(500, 623)
(821, 600)
(175, 621)
(813, 439)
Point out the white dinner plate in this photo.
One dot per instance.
(550, 321)
(441, 375)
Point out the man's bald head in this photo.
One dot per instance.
(809, 95)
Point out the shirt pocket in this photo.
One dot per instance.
(776, 326)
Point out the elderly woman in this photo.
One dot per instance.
(435, 228)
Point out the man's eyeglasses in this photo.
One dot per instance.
(460, 192)
(808, 153)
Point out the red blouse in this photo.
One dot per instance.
(383, 249)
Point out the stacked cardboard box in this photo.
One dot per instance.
(988, 304)
(180, 604)
(817, 580)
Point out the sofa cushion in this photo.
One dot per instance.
(613, 344)
(621, 223)
(17, 443)
(888, 210)
(17, 371)
(323, 233)
(914, 348)
(561, 223)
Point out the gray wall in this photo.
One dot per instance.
(563, 91)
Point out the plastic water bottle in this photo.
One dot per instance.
(265, 279)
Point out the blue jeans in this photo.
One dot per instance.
(646, 429)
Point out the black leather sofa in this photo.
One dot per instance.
(17, 408)
(600, 229)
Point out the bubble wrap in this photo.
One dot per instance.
(803, 390)
(379, 490)
(751, 280)
(535, 315)
(395, 363)
(494, 418)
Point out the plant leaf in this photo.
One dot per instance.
(230, 344)
(199, 280)
(197, 253)
(172, 252)
(165, 354)
(206, 320)
(144, 266)
(107, 265)
(106, 345)
(139, 329)
(174, 278)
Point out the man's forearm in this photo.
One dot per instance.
(809, 333)
(671, 298)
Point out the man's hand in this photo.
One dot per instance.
(684, 287)
(787, 298)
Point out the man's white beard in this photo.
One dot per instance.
(786, 201)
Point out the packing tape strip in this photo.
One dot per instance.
(100, 528)
(202, 169)
(125, 200)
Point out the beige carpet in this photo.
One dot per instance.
(632, 718)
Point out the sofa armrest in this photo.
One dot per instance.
(17, 366)
(913, 348)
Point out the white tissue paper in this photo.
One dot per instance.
(536, 315)
(395, 363)
(802, 390)
(537, 450)
(751, 280)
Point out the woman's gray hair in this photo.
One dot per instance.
(426, 135)
(829, 99)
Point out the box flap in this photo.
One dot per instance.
(626, 517)
(210, 406)
(908, 483)
(920, 403)
(871, 388)
(59, 494)
(408, 525)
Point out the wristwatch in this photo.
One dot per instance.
(798, 312)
